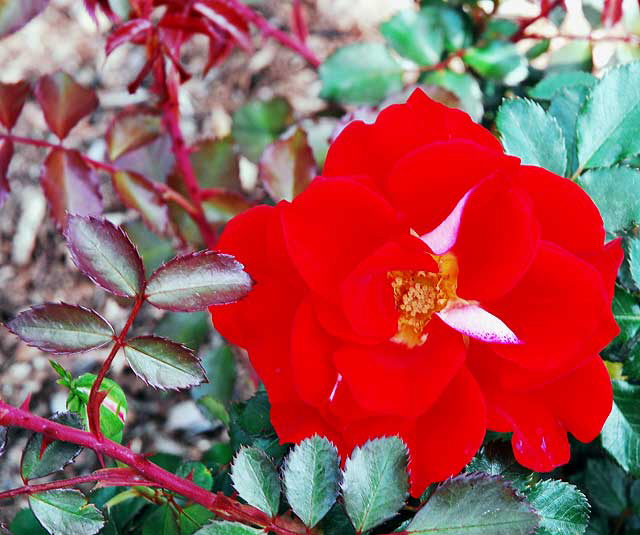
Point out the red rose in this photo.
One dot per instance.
(430, 286)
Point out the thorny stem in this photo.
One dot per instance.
(223, 506)
(93, 405)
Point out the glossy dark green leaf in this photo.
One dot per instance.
(139, 193)
(38, 462)
(463, 85)
(606, 486)
(565, 106)
(105, 254)
(61, 328)
(287, 166)
(616, 192)
(475, 504)
(563, 509)
(25, 523)
(192, 518)
(496, 459)
(608, 121)
(162, 521)
(360, 73)
(621, 432)
(197, 472)
(498, 60)
(416, 35)
(66, 512)
(258, 123)
(162, 363)
(531, 134)
(550, 85)
(216, 165)
(198, 280)
(311, 475)
(255, 478)
(228, 528)
(375, 482)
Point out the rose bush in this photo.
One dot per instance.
(428, 285)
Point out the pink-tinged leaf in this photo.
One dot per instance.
(287, 166)
(140, 194)
(216, 164)
(12, 99)
(92, 5)
(128, 31)
(6, 153)
(611, 13)
(132, 129)
(70, 185)
(105, 254)
(14, 14)
(162, 363)
(153, 160)
(61, 328)
(64, 101)
(198, 280)
(220, 16)
(444, 236)
(475, 322)
(223, 206)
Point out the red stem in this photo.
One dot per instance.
(524, 24)
(222, 505)
(271, 31)
(93, 405)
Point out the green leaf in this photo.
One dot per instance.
(565, 107)
(38, 462)
(216, 165)
(255, 478)
(61, 328)
(474, 504)
(563, 509)
(608, 122)
(634, 259)
(228, 528)
(162, 521)
(192, 518)
(25, 523)
(463, 85)
(105, 254)
(575, 55)
(220, 367)
(496, 459)
(66, 512)
(360, 73)
(616, 192)
(416, 35)
(153, 249)
(191, 329)
(214, 409)
(196, 472)
(162, 363)
(606, 486)
(195, 281)
(550, 85)
(375, 483)
(531, 134)
(498, 60)
(311, 476)
(621, 431)
(258, 123)
(287, 166)
(113, 410)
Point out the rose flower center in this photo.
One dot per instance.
(419, 295)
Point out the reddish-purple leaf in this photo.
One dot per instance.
(14, 14)
(287, 166)
(163, 363)
(105, 254)
(132, 129)
(140, 194)
(91, 6)
(132, 29)
(6, 153)
(153, 160)
(224, 205)
(70, 185)
(12, 99)
(611, 13)
(196, 281)
(64, 101)
(61, 328)
(224, 19)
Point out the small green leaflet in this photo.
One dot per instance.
(563, 509)
(255, 478)
(66, 512)
(228, 528)
(621, 431)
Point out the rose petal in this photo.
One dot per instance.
(474, 321)
(347, 155)
(442, 238)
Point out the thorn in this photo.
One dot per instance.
(25, 404)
